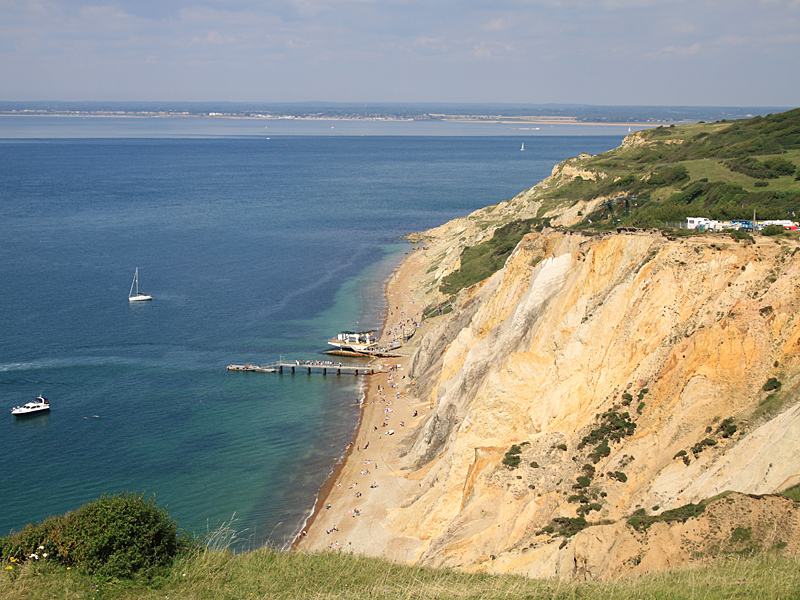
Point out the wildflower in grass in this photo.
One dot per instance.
(9, 567)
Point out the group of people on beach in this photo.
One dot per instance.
(402, 327)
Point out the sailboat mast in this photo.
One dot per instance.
(134, 283)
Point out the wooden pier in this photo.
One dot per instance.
(307, 366)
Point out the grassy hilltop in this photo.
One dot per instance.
(724, 171)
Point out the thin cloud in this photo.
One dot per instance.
(680, 51)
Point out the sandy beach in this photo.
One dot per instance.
(355, 500)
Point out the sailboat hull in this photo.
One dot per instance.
(140, 298)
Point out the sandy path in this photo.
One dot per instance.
(354, 502)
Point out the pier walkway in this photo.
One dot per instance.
(307, 366)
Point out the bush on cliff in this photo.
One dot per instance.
(114, 537)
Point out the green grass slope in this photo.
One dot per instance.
(723, 171)
(263, 574)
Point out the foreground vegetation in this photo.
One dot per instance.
(115, 549)
(263, 574)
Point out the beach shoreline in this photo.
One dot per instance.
(367, 481)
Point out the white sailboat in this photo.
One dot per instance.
(523, 147)
(138, 297)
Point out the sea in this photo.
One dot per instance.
(258, 240)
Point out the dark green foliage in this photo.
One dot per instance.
(769, 169)
(618, 475)
(613, 426)
(512, 457)
(727, 428)
(561, 447)
(534, 465)
(602, 450)
(640, 521)
(779, 165)
(773, 230)
(585, 509)
(626, 399)
(582, 482)
(668, 175)
(701, 445)
(680, 453)
(482, 260)
(740, 234)
(772, 384)
(640, 408)
(115, 537)
(567, 527)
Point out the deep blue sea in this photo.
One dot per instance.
(256, 240)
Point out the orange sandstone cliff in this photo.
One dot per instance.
(624, 374)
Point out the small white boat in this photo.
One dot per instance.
(523, 147)
(40, 405)
(138, 296)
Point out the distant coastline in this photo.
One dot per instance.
(495, 120)
(541, 114)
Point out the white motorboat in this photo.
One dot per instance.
(40, 405)
(138, 296)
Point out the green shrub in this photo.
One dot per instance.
(114, 537)
(512, 457)
(740, 234)
(780, 166)
(772, 384)
(727, 428)
(773, 230)
(641, 521)
(701, 445)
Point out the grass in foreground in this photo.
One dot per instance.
(265, 574)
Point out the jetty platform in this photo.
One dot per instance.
(307, 366)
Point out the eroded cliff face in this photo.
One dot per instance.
(628, 369)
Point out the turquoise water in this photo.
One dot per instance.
(252, 248)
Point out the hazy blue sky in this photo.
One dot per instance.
(674, 52)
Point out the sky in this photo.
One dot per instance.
(601, 52)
